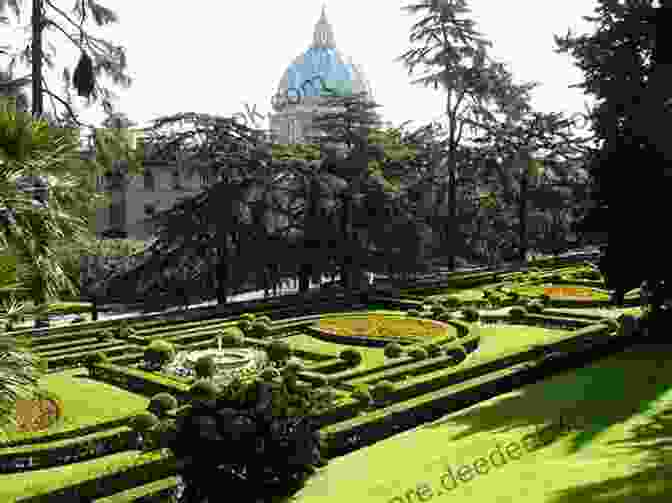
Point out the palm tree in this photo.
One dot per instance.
(41, 193)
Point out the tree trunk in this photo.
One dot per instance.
(451, 224)
(305, 272)
(36, 55)
(222, 272)
(346, 260)
(522, 217)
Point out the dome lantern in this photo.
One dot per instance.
(323, 37)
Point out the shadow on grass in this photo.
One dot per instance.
(653, 481)
(594, 398)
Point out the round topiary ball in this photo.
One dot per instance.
(545, 300)
(95, 358)
(393, 350)
(264, 319)
(451, 301)
(279, 351)
(293, 366)
(418, 353)
(231, 337)
(203, 390)
(433, 350)
(320, 381)
(160, 403)
(415, 313)
(260, 329)
(470, 314)
(362, 395)
(269, 374)
(517, 312)
(205, 367)
(144, 421)
(534, 306)
(159, 352)
(382, 389)
(352, 356)
(248, 317)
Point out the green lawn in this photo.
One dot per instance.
(86, 402)
(602, 403)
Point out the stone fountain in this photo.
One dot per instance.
(229, 362)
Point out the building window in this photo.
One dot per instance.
(150, 182)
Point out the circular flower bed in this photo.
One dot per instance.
(384, 327)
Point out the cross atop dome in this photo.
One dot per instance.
(324, 35)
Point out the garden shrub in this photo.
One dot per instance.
(445, 317)
(269, 374)
(362, 394)
(320, 381)
(95, 358)
(514, 296)
(451, 301)
(393, 350)
(248, 317)
(279, 351)
(535, 307)
(545, 299)
(293, 365)
(415, 313)
(159, 352)
(231, 337)
(160, 403)
(105, 335)
(517, 312)
(433, 350)
(205, 367)
(203, 390)
(352, 356)
(245, 326)
(470, 314)
(259, 329)
(144, 421)
(382, 389)
(264, 319)
(418, 353)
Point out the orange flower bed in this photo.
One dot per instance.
(380, 326)
(35, 415)
(568, 292)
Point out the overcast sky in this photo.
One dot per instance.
(212, 57)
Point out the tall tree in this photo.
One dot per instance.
(454, 56)
(625, 64)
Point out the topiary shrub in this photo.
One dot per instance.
(381, 390)
(451, 301)
(545, 300)
(260, 329)
(513, 296)
(105, 335)
(144, 421)
(438, 311)
(231, 337)
(320, 381)
(393, 350)
(264, 319)
(161, 403)
(470, 314)
(279, 351)
(418, 353)
(245, 326)
(95, 358)
(205, 367)
(269, 374)
(158, 353)
(203, 390)
(363, 395)
(517, 312)
(535, 306)
(293, 366)
(352, 356)
(415, 313)
(248, 317)
(433, 350)
(445, 317)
